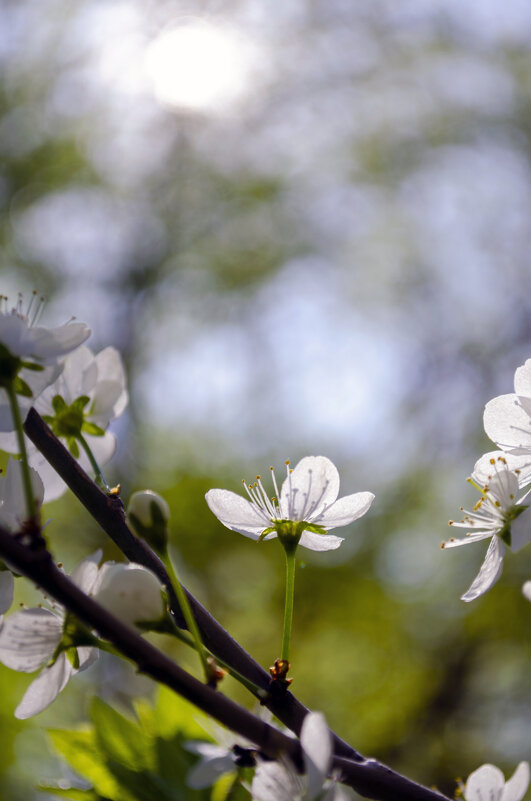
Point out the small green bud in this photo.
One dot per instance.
(149, 515)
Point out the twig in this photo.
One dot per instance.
(368, 777)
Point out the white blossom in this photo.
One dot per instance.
(25, 345)
(308, 496)
(30, 639)
(97, 381)
(526, 589)
(216, 759)
(280, 781)
(507, 421)
(129, 591)
(498, 515)
(487, 783)
(13, 513)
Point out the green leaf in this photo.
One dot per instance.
(93, 429)
(73, 793)
(81, 751)
(122, 740)
(21, 388)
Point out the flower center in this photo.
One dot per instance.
(31, 315)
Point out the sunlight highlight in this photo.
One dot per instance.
(199, 67)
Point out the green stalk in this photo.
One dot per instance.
(100, 478)
(187, 613)
(288, 609)
(26, 475)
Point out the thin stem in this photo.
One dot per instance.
(26, 475)
(288, 609)
(100, 478)
(187, 613)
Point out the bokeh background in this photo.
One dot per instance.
(307, 227)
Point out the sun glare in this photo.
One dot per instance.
(199, 67)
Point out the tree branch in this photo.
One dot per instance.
(368, 777)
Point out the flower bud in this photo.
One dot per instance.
(148, 515)
(130, 592)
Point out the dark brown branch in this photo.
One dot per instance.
(109, 513)
(368, 777)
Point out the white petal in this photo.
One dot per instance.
(79, 375)
(275, 782)
(516, 787)
(207, 771)
(313, 484)
(111, 397)
(345, 510)
(7, 584)
(526, 589)
(319, 542)
(87, 656)
(29, 638)
(484, 469)
(237, 513)
(45, 688)
(54, 486)
(102, 448)
(489, 572)
(485, 784)
(507, 424)
(316, 750)
(50, 343)
(522, 379)
(85, 575)
(12, 492)
(130, 592)
(521, 531)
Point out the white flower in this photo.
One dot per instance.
(526, 589)
(279, 781)
(507, 421)
(30, 639)
(29, 353)
(129, 591)
(307, 498)
(497, 516)
(12, 516)
(216, 759)
(488, 784)
(89, 393)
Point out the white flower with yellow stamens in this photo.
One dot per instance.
(499, 515)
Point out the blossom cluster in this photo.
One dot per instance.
(503, 479)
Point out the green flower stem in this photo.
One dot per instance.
(26, 475)
(288, 609)
(100, 478)
(187, 613)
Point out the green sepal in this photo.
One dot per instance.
(512, 514)
(265, 532)
(313, 527)
(73, 447)
(80, 402)
(37, 368)
(73, 657)
(92, 429)
(48, 418)
(21, 388)
(58, 403)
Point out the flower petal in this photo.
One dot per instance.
(208, 770)
(29, 638)
(508, 424)
(516, 787)
(85, 575)
(522, 379)
(316, 750)
(484, 784)
(318, 542)
(489, 572)
(521, 530)
(45, 688)
(102, 448)
(274, 781)
(345, 510)
(313, 484)
(484, 469)
(237, 513)
(526, 589)
(130, 592)
(47, 344)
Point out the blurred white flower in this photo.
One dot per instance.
(526, 589)
(89, 393)
(498, 516)
(32, 638)
(30, 353)
(507, 421)
(216, 759)
(487, 783)
(279, 781)
(13, 513)
(306, 506)
(129, 591)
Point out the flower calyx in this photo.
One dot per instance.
(68, 421)
(75, 635)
